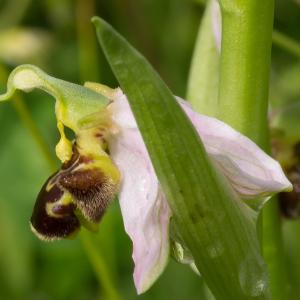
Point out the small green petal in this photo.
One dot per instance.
(74, 102)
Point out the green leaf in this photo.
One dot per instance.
(216, 226)
(203, 83)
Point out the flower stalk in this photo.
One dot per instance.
(245, 65)
(243, 100)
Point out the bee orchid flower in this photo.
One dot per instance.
(109, 156)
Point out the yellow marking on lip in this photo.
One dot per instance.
(65, 200)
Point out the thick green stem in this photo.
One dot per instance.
(243, 101)
(274, 250)
(291, 229)
(245, 64)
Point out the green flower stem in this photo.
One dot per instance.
(99, 266)
(274, 250)
(291, 229)
(243, 99)
(245, 64)
(93, 254)
(285, 42)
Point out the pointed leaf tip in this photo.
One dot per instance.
(99, 23)
(96, 20)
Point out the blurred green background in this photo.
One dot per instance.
(57, 36)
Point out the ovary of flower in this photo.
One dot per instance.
(145, 209)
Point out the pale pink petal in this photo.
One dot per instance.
(144, 208)
(121, 112)
(251, 172)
